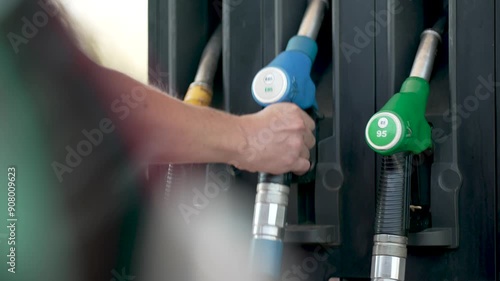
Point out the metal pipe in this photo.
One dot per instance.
(270, 210)
(430, 39)
(426, 54)
(209, 60)
(313, 17)
(389, 257)
(268, 228)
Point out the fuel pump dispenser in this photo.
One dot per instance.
(285, 79)
(398, 132)
(436, 199)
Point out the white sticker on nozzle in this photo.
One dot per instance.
(269, 85)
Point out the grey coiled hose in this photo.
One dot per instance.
(393, 195)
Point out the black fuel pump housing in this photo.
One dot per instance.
(366, 50)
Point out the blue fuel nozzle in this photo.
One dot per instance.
(287, 78)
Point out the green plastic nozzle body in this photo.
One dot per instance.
(400, 126)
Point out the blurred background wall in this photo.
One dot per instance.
(114, 31)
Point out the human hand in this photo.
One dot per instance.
(277, 140)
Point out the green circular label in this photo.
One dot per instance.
(383, 131)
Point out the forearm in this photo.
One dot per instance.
(181, 133)
(167, 130)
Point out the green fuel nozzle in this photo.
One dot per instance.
(398, 130)
(400, 125)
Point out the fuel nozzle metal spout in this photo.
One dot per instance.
(270, 207)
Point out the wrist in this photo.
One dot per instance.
(238, 142)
